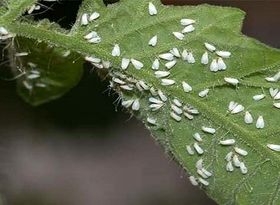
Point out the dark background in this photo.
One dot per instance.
(79, 150)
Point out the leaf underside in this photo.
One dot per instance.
(129, 24)
(44, 74)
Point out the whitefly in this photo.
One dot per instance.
(175, 116)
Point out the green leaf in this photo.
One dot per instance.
(129, 24)
(46, 73)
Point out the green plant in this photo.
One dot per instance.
(251, 174)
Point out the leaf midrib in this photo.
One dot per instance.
(82, 46)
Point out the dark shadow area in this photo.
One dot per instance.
(5, 69)
(107, 2)
(90, 104)
(63, 13)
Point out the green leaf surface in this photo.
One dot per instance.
(129, 24)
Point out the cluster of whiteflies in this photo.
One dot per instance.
(214, 59)
(235, 108)
(203, 174)
(232, 158)
(156, 101)
(31, 75)
(218, 63)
